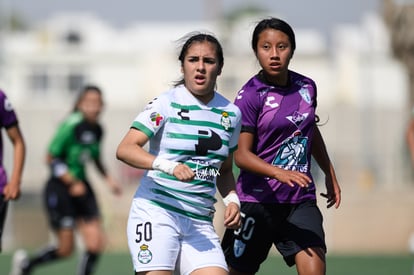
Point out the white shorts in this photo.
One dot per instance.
(162, 240)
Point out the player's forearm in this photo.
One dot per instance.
(410, 140)
(18, 161)
(248, 161)
(135, 156)
(226, 183)
(101, 168)
(320, 153)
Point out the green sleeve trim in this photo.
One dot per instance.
(141, 127)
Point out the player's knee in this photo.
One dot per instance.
(96, 245)
(65, 249)
(64, 252)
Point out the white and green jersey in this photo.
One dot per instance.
(183, 129)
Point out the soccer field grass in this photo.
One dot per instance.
(120, 263)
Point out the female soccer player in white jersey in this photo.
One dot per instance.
(192, 131)
(278, 137)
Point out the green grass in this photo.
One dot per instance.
(110, 264)
(349, 265)
(120, 263)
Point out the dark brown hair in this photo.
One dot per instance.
(189, 39)
(273, 23)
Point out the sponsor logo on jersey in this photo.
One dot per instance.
(292, 153)
(297, 118)
(204, 170)
(206, 173)
(156, 119)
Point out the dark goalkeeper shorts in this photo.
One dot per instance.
(64, 210)
(290, 227)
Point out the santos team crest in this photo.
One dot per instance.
(225, 120)
(144, 255)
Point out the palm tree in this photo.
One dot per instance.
(399, 16)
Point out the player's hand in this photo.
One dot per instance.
(183, 172)
(292, 178)
(333, 192)
(232, 218)
(114, 185)
(11, 191)
(77, 188)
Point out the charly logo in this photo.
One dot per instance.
(144, 255)
(271, 102)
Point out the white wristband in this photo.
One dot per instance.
(59, 168)
(231, 197)
(164, 165)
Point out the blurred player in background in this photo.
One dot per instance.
(69, 198)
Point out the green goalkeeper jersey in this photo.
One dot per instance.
(76, 142)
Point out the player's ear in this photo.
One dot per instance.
(219, 70)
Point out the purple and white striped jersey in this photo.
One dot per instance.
(7, 119)
(283, 121)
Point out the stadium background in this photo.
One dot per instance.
(364, 104)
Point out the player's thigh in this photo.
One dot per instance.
(209, 271)
(247, 247)
(153, 237)
(311, 261)
(201, 251)
(306, 226)
(302, 231)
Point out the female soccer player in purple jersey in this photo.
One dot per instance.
(278, 137)
(10, 188)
